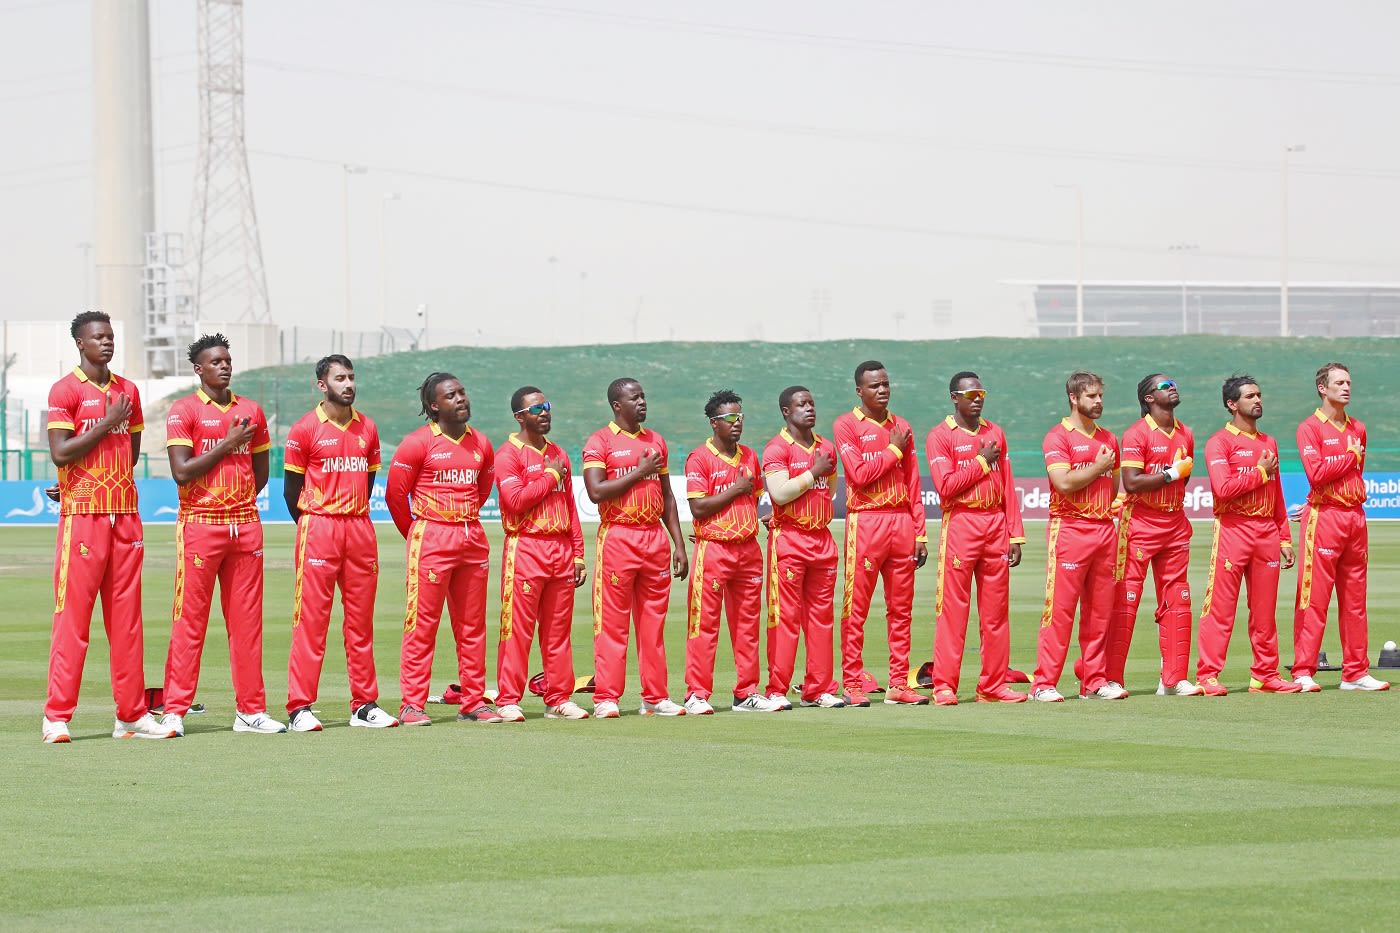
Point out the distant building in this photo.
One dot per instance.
(1315, 309)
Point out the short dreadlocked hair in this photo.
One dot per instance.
(427, 393)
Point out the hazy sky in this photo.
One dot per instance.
(701, 170)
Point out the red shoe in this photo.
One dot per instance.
(1212, 687)
(482, 713)
(1274, 684)
(413, 716)
(903, 696)
(945, 696)
(854, 696)
(1002, 694)
(1014, 676)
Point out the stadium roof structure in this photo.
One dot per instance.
(1250, 309)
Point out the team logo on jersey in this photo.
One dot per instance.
(525, 588)
(1132, 597)
(432, 576)
(790, 575)
(363, 445)
(1228, 565)
(714, 585)
(1140, 555)
(868, 565)
(613, 580)
(198, 561)
(957, 561)
(476, 455)
(83, 549)
(1186, 594)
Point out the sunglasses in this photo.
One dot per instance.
(1164, 385)
(535, 410)
(972, 395)
(734, 417)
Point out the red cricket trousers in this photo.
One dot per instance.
(232, 555)
(972, 545)
(878, 545)
(1334, 547)
(728, 573)
(801, 598)
(1149, 537)
(333, 550)
(537, 592)
(448, 565)
(1243, 549)
(1078, 572)
(632, 581)
(97, 555)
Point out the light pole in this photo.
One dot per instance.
(1183, 249)
(384, 257)
(345, 219)
(1283, 269)
(1079, 252)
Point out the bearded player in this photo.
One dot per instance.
(1250, 542)
(332, 456)
(721, 481)
(624, 471)
(1153, 531)
(799, 467)
(1081, 460)
(217, 444)
(980, 539)
(440, 477)
(1332, 536)
(542, 562)
(885, 534)
(94, 427)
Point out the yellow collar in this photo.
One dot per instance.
(732, 461)
(204, 397)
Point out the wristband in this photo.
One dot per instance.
(1171, 474)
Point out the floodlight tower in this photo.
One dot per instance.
(227, 279)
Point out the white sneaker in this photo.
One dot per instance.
(698, 706)
(370, 716)
(1308, 684)
(607, 709)
(1184, 688)
(260, 723)
(144, 728)
(303, 720)
(825, 701)
(511, 713)
(755, 703)
(55, 733)
(1109, 691)
(566, 710)
(173, 722)
(779, 702)
(1367, 682)
(1047, 695)
(662, 707)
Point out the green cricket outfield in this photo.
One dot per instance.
(1154, 812)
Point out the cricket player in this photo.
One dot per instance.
(980, 539)
(1082, 460)
(542, 563)
(721, 481)
(799, 467)
(885, 534)
(440, 477)
(94, 426)
(332, 456)
(624, 471)
(217, 444)
(1153, 531)
(1332, 536)
(1250, 542)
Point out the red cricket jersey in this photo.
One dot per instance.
(1152, 450)
(707, 472)
(1067, 447)
(227, 494)
(965, 481)
(1334, 472)
(536, 500)
(814, 509)
(336, 460)
(879, 476)
(1238, 483)
(102, 482)
(616, 452)
(440, 479)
